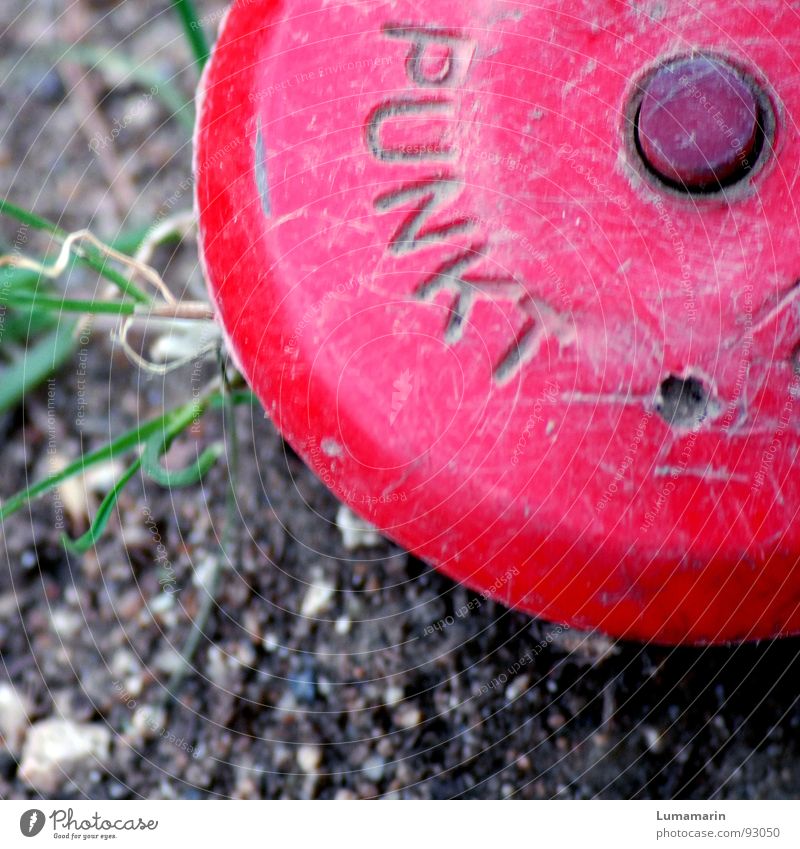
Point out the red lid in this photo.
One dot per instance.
(506, 311)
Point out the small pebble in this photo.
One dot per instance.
(44, 85)
(652, 738)
(218, 667)
(14, 712)
(66, 623)
(168, 661)
(309, 758)
(204, 572)
(162, 603)
(304, 685)
(104, 477)
(317, 599)
(244, 655)
(134, 684)
(129, 604)
(394, 695)
(517, 687)
(586, 648)
(57, 750)
(408, 716)
(9, 605)
(124, 663)
(356, 532)
(149, 720)
(374, 767)
(345, 795)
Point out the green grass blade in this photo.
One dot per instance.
(239, 398)
(88, 257)
(158, 443)
(20, 326)
(21, 329)
(89, 539)
(17, 280)
(193, 30)
(121, 445)
(30, 218)
(59, 305)
(177, 478)
(154, 447)
(128, 241)
(35, 364)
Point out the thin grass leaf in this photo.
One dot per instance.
(21, 327)
(35, 364)
(18, 326)
(127, 242)
(193, 30)
(59, 305)
(31, 219)
(177, 478)
(119, 447)
(88, 256)
(17, 280)
(159, 443)
(89, 539)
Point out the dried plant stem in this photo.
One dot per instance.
(68, 245)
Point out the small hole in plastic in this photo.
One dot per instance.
(682, 401)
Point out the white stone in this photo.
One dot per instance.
(104, 477)
(318, 598)
(309, 758)
(374, 767)
(162, 603)
(66, 623)
(517, 687)
(56, 749)
(394, 695)
(149, 721)
(408, 716)
(356, 532)
(14, 713)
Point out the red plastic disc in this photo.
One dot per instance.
(490, 326)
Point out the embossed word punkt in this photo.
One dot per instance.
(519, 284)
(438, 61)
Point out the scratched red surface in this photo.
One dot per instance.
(442, 268)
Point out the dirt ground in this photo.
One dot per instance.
(319, 674)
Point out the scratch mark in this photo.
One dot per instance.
(705, 473)
(784, 302)
(610, 398)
